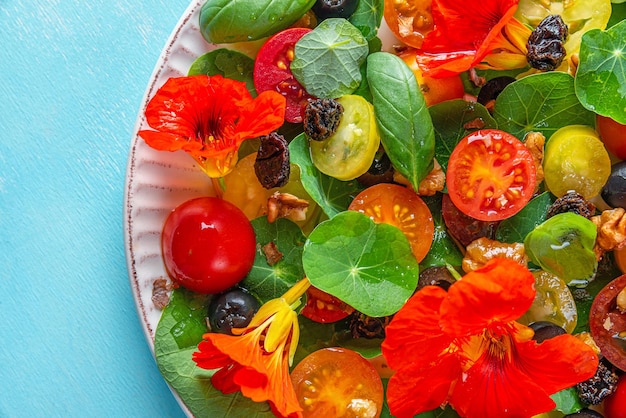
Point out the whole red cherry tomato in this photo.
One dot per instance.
(272, 71)
(208, 245)
(613, 135)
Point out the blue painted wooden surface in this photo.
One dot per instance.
(72, 75)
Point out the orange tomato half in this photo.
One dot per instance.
(410, 21)
(435, 90)
(401, 207)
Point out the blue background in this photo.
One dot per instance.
(72, 76)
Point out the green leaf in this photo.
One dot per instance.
(332, 195)
(269, 282)
(453, 120)
(367, 17)
(618, 13)
(567, 401)
(443, 250)
(369, 266)
(406, 129)
(193, 384)
(541, 102)
(601, 74)
(228, 21)
(227, 63)
(336, 49)
(515, 228)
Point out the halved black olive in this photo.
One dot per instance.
(493, 88)
(325, 9)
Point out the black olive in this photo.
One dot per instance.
(545, 330)
(325, 9)
(233, 308)
(585, 413)
(614, 190)
(381, 171)
(493, 88)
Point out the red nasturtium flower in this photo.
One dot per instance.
(209, 117)
(467, 31)
(257, 361)
(463, 347)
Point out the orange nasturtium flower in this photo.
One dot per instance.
(467, 31)
(257, 361)
(463, 347)
(209, 117)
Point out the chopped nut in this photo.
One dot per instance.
(285, 205)
(160, 293)
(534, 142)
(271, 252)
(482, 250)
(611, 226)
(434, 182)
(587, 339)
(621, 300)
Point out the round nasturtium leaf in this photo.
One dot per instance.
(336, 49)
(369, 266)
(601, 75)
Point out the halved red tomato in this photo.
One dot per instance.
(491, 175)
(401, 207)
(324, 307)
(272, 71)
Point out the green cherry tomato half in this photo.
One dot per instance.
(349, 152)
(208, 245)
(491, 175)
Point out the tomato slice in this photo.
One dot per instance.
(608, 324)
(272, 71)
(397, 205)
(435, 90)
(410, 21)
(491, 175)
(324, 307)
(337, 382)
(349, 152)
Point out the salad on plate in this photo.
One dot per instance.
(408, 208)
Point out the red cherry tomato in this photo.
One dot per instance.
(491, 175)
(613, 134)
(272, 71)
(323, 307)
(615, 403)
(410, 20)
(435, 90)
(403, 208)
(337, 382)
(607, 323)
(208, 245)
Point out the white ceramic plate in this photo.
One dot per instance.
(158, 181)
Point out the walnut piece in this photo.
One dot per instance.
(620, 301)
(534, 142)
(271, 252)
(611, 226)
(482, 250)
(160, 293)
(434, 181)
(285, 205)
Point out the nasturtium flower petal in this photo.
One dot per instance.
(507, 285)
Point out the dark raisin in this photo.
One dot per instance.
(593, 390)
(493, 88)
(435, 276)
(544, 330)
(572, 202)
(545, 44)
(363, 326)
(321, 118)
(272, 161)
